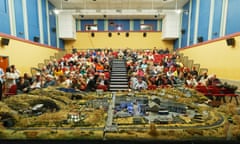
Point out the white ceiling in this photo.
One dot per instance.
(117, 9)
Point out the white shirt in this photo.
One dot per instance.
(11, 78)
(139, 86)
(1, 75)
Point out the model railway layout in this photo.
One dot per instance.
(167, 114)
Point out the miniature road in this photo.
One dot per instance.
(229, 132)
(109, 126)
(215, 124)
(110, 111)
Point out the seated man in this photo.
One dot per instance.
(50, 81)
(213, 81)
(140, 84)
(23, 85)
(91, 83)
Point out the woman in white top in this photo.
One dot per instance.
(11, 77)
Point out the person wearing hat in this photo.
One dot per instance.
(37, 82)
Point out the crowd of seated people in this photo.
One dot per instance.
(90, 70)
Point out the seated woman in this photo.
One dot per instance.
(191, 81)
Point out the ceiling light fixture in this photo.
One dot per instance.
(178, 11)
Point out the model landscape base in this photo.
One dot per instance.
(163, 114)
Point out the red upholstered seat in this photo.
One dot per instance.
(103, 87)
(11, 91)
(152, 87)
(203, 89)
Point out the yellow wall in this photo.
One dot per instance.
(219, 58)
(24, 54)
(134, 41)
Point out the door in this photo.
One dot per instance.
(4, 62)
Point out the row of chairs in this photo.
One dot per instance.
(11, 91)
(217, 92)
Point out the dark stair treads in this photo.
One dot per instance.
(118, 82)
(118, 86)
(118, 74)
(119, 77)
(119, 69)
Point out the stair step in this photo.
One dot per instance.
(119, 69)
(117, 89)
(119, 74)
(118, 79)
(119, 86)
(119, 82)
(120, 66)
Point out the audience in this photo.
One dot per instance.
(86, 71)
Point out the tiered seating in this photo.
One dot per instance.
(12, 91)
(159, 57)
(119, 79)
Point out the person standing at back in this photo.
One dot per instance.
(2, 75)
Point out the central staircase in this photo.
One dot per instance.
(119, 77)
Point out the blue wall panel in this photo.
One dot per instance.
(4, 16)
(33, 23)
(61, 44)
(19, 18)
(192, 23)
(125, 24)
(217, 18)
(153, 23)
(175, 44)
(184, 30)
(160, 23)
(136, 25)
(44, 22)
(233, 17)
(52, 24)
(100, 24)
(86, 22)
(203, 24)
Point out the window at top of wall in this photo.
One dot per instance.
(145, 27)
(91, 28)
(119, 27)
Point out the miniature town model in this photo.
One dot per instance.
(166, 114)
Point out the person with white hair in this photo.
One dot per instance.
(140, 84)
(133, 80)
(212, 80)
